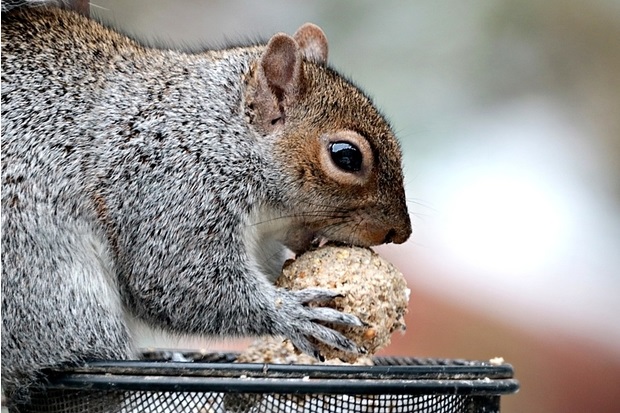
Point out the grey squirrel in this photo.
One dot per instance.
(167, 186)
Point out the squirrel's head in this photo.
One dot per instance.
(339, 156)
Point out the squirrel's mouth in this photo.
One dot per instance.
(316, 242)
(300, 240)
(304, 239)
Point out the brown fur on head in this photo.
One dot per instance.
(309, 107)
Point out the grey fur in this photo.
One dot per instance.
(134, 187)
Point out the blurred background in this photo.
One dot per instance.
(509, 117)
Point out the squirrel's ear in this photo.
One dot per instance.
(312, 43)
(279, 82)
(281, 66)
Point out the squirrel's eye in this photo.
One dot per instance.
(346, 156)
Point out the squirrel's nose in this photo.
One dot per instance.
(389, 236)
(399, 234)
(397, 237)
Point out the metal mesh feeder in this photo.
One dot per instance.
(213, 383)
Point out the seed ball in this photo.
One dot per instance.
(370, 287)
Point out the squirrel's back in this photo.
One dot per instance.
(94, 99)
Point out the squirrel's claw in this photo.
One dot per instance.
(327, 336)
(335, 339)
(326, 314)
(317, 295)
(329, 315)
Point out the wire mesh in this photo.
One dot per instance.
(212, 384)
(67, 401)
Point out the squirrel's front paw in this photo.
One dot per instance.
(299, 322)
